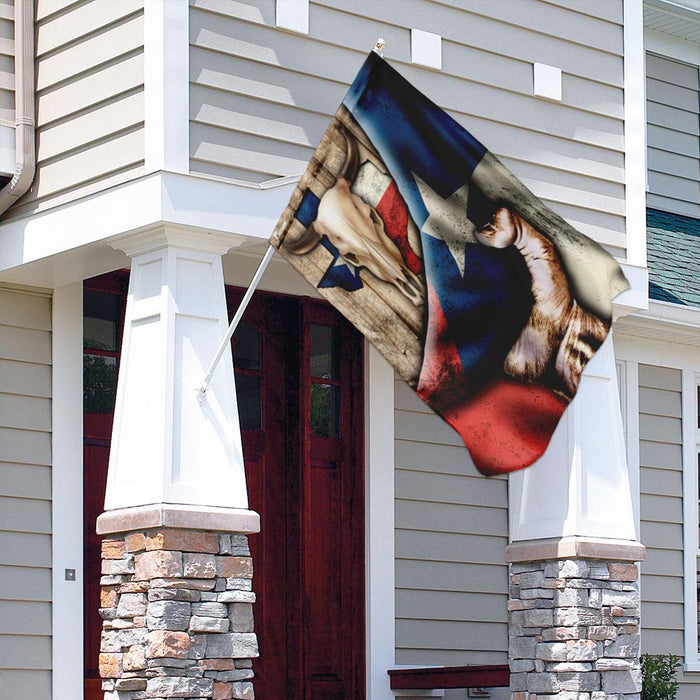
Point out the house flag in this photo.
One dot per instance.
(484, 300)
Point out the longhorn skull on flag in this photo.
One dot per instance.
(484, 300)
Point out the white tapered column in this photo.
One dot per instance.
(166, 447)
(580, 487)
(573, 608)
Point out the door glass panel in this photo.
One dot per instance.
(325, 384)
(100, 320)
(249, 401)
(325, 410)
(324, 352)
(246, 347)
(99, 383)
(246, 360)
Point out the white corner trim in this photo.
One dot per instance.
(631, 395)
(67, 491)
(635, 132)
(379, 516)
(166, 85)
(690, 517)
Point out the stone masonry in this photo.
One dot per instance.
(177, 616)
(574, 630)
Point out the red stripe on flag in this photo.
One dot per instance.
(393, 212)
(506, 426)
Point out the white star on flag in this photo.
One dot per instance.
(447, 219)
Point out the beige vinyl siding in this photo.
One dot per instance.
(451, 534)
(90, 101)
(661, 514)
(7, 63)
(261, 98)
(673, 136)
(25, 494)
(661, 508)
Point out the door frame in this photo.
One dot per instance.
(67, 491)
(380, 595)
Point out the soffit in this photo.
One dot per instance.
(679, 18)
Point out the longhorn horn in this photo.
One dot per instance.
(303, 241)
(352, 156)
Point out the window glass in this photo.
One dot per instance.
(325, 385)
(249, 401)
(99, 383)
(247, 362)
(246, 347)
(325, 410)
(324, 352)
(100, 320)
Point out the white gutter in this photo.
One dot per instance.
(24, 106)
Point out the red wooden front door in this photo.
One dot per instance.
(299, 382)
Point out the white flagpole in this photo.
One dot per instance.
(202, 389)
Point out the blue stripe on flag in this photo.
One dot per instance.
(308, 209)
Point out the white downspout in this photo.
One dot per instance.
(24, 106)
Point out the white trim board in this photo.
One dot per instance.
(650, 351)
(690, 517)
(67, 491)
(167, 86)
(379, 518)
(671, 46)
(635, 132)
(632, 435)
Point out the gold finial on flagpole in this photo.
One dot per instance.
(379, 47)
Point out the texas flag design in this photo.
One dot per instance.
(485, 301)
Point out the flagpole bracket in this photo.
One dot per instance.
(379, 47)
(202, 391)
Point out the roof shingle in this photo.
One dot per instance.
(673, 251)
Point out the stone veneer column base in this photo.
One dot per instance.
(178, 618)
(573, 623)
